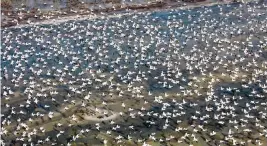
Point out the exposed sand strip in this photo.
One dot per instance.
(57, 21)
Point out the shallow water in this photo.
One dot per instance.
(44, 5)
(91, 47)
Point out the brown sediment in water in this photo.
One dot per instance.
(7, 4)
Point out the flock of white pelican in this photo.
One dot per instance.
(169, 77)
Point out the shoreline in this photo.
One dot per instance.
(61, 19)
